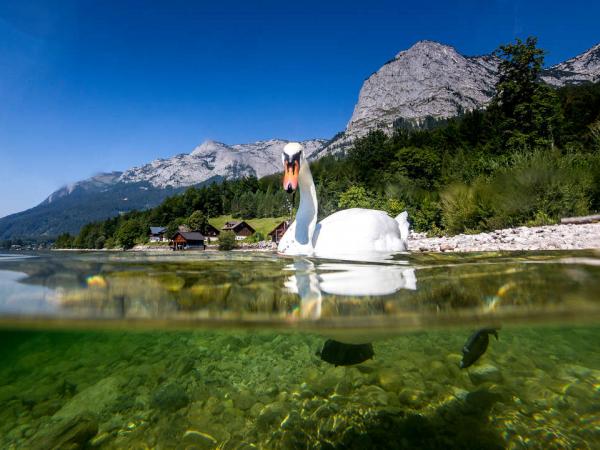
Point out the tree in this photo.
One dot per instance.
(529, 111)
(65, 240)
(227, 240)
(128, 233)
(355, 197)
(197, 221)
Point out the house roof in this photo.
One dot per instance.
(157, 230)
(230, 225)
(285, 224)
(236, 226)
(190, 235)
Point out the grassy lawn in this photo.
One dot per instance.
(263, 226)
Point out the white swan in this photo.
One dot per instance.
(348, 233)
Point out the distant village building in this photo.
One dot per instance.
(186, 240)
(278, 232)
(211, 232)
(241, 229)
(157, 234)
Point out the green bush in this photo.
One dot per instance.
(256, 237)
(227, 240)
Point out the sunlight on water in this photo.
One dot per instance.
(120, 350)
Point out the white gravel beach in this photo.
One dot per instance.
(550, 237)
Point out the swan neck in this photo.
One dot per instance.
(306, 217)
(308, 196)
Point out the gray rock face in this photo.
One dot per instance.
(580, 69)
(211, 159)
(427, 80)
(433, 81)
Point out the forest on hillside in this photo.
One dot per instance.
(530, 158)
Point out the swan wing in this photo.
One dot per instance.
(357, 230)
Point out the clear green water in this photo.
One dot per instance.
(197, 351)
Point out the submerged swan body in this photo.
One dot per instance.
(346, 233)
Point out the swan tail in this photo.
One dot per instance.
(403, 225)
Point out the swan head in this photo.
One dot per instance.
(291, 157)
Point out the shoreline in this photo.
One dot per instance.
(547, 237)
(541, 238)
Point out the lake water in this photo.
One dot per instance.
(218, 350)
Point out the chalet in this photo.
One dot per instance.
(211, 232)
(184, 240)
(157, 234)
(278, 232)
(241, 229)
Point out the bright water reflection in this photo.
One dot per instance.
(407, 292)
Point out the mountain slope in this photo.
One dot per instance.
(109, 194)
(433, 81)
(580, 69)
(215, 159)
(427, 80)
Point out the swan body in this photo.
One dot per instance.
(350, 233)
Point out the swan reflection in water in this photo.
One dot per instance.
(310, 280)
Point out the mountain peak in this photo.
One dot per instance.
(208, 146)
(426, 47)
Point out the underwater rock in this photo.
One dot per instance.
(481, 400)
(66, 434)
(391, 380)
(94, 399)
(47, 408)
(578, 371)
(485, 374)
(272, 415)
(170, 397)
(342, 354)
(411, 397)
(373, 395)
(199, 440)
(476, 346)
(243, 400)
(186, 366)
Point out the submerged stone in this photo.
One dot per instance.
(485, 374)
(71, 433)
(94, 399)
(200, 440)
(170, 397)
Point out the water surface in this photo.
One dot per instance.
(129, 350)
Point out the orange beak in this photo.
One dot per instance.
(290, 175)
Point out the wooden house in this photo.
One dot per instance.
(157, 234)
(184, 240)
(211, 232)
(241, 229)
(278, 232)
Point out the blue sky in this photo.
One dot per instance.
(91, 86)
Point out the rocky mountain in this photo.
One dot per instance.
(215, 159)
(427, 80)
(110, 194)
(432, 81)
(580, 69)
